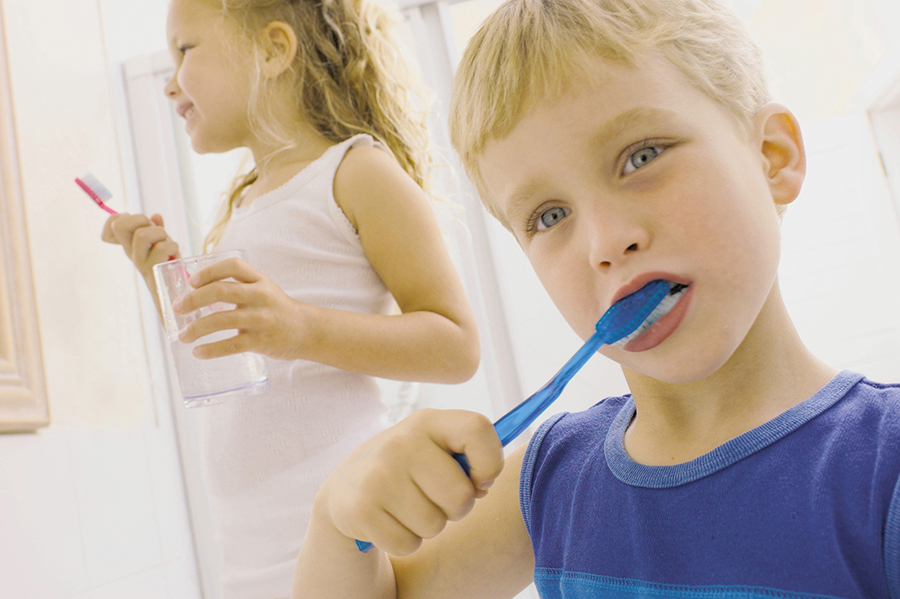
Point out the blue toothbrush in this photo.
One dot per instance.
(621, 320)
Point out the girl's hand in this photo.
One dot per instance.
(403, 485)
(144, 240)
(268, 321)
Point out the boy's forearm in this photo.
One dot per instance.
(330, 565)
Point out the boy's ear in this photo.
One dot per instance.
(784, 157)
(280, 45)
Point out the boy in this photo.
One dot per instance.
(622, 141)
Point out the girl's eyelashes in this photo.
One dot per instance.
(644, 154)
(544, 218)
(182, 47)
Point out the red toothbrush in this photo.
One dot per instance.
(96, 190)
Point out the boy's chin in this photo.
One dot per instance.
(668, 369)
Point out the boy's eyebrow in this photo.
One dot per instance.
(612, 129)
(639, 115)
(519, 198)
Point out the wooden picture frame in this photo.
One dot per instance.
(23, 394)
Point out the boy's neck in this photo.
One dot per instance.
(771, 372)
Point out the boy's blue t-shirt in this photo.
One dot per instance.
(806, 505)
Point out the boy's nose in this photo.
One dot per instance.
(614, 239)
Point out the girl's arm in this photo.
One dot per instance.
(436, 332)
(403, 486)
(434, 338)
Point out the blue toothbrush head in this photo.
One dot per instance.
(633, 314)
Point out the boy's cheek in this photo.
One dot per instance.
(581, 315)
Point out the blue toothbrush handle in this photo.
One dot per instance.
(520, 417)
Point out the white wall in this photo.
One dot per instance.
(821, 51)
(91, 507)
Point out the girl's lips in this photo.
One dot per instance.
(660, 330)
(182, 109)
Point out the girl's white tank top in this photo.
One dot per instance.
(264, 457)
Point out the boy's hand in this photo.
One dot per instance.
(143, 238)
(268, 321)
(403, 485)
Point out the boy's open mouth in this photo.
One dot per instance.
(676, 290)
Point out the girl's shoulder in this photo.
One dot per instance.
(368, 179)
(366, 159)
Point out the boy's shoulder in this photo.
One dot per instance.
(587, 422)
(869, 414)
(871, 404)
(567, 433)
(888, 391)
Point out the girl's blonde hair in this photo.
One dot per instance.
(348, 76)
(528, 49)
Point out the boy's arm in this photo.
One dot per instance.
(488, 554)
(403, 486)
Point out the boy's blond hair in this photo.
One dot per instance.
(349, 76)
(527, 49)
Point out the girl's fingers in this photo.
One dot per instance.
(232, 268)
(237, 344)
(108, 235)
(217, 291)
(223, 320)
(162, 251)
(122, 227)
(145, 240)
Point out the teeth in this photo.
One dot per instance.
(676, 290)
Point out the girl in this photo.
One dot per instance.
(337, 228)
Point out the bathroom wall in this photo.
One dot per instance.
(821, 51)
(91, 507)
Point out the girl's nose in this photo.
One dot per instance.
(171, 88)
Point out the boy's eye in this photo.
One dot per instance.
(642, 157)
(550, 217)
